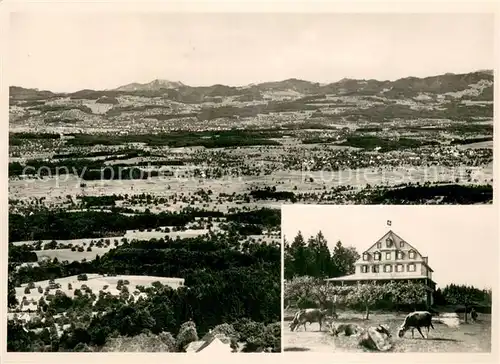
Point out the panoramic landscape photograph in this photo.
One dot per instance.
(392, 286)
(150, 155)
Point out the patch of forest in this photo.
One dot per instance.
(446, 193)
(207, 139)
(63, 225)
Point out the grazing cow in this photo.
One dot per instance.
(308, 315)
(416, 320)
(376, 338)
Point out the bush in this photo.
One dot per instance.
(82, 277)
(227, 330)
(27, 290)
(82, 348)
(187, 334)
(168, 339)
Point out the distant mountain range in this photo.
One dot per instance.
(177, 91)
(153, 85)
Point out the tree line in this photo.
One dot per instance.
(314, 258)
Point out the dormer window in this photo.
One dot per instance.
(388, 242)
(379, 245)
(376, 256)
(411, 254)
(365, 256)
(401, 244)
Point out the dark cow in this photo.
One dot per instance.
(346, 329)
(473, 314)
(308, 315)
(416, 320)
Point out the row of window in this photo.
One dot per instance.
(388, 268)
(389, 243)
(388, 255)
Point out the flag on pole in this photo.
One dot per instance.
(389, 222)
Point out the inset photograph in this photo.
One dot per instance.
(391, 278)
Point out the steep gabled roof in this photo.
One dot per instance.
(396, 239)
(218, 344)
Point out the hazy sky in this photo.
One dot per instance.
(460, 241)
(68, 52)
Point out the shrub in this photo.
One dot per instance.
(187, 334)
(82, 277)
(168, 339)
(82, 348)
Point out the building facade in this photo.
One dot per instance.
(391, 259)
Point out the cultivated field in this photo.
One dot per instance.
(471, 337)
